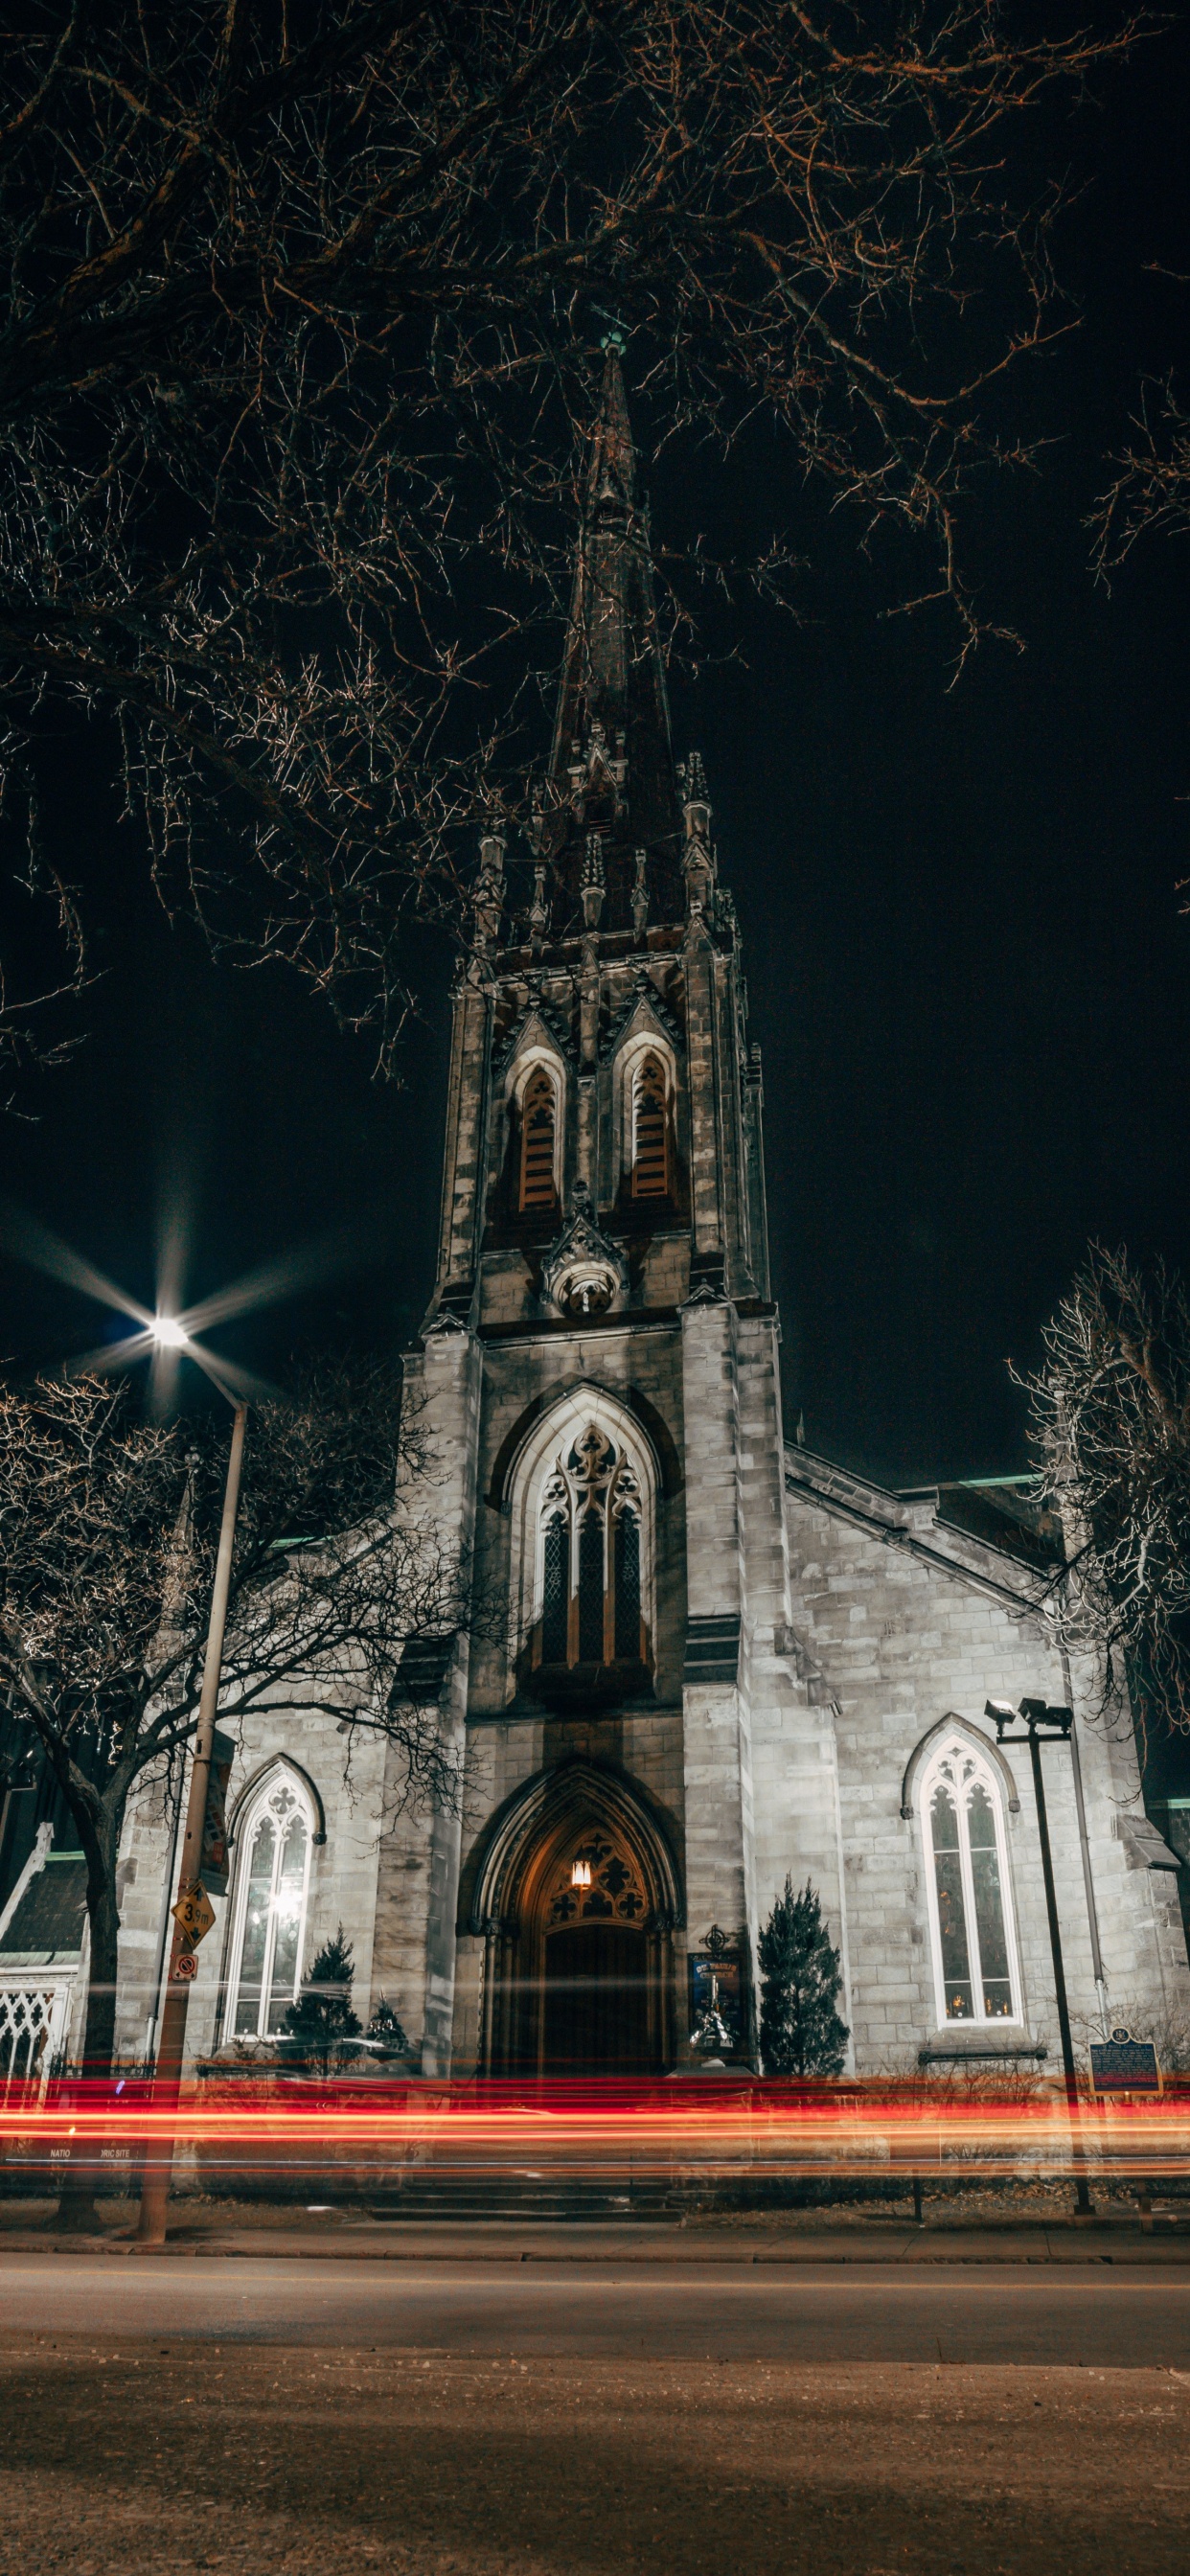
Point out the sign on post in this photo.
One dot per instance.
(717, 1998)
(194, 1913)
(1123, 2064)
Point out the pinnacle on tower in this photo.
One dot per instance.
(611, 763)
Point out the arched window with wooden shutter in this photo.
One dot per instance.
(650, 1141)
(539, 1127)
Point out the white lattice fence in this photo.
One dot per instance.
(34, 2015)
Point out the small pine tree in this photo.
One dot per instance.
(800, 2030)
(320, 2026)
(385, 2032)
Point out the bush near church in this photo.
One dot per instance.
(800, 2030)
(321, 2026)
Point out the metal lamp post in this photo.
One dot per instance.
(1050, 1726)
(192, 1913)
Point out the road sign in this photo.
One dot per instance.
(194, 1913)
(185, 1967)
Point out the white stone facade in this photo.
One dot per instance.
(746, 1655)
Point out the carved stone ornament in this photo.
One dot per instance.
(582, 1271)
(643, 992)
(445, 1321)
(705, 1294)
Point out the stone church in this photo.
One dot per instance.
(720, 1659)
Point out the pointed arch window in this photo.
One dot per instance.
(650, 1130)
(539, 1139)
(269, 1910)
(591, 1574)
(975, 1965)
(555, 1596)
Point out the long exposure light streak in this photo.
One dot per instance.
(567, 2131)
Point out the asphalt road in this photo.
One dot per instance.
(1097, 2317)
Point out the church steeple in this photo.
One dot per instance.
(617, 823)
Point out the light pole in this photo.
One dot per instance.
(1050, 1726)
(192, 1899)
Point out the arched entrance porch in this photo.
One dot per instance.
(576, 1895)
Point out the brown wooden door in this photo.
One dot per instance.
(596, 2001)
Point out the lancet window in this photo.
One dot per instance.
(650, 1141)
(269, 1914)
(975, 1964)
(590, 1538)
(539, 1133)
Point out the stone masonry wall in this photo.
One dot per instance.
(899, 1644)
(343, 1870)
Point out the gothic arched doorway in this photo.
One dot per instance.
(576, 1895)
(595, 1991)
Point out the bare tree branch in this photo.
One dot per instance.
(108, 1530)
(302, 322)
(1151, 488)
(1111, 1430)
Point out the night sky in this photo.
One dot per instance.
(967, 967)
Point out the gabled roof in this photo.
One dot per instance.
(980, 1547)
(50, 1914)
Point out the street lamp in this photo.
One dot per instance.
(193, 1910)
(168, 1334)
(1049, 1726)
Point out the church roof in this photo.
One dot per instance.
(611, 771)
(48, 1919)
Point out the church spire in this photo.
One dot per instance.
(611, 763)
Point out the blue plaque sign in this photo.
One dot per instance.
(1122, 2064)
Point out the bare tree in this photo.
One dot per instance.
(1111, 1430)
(1151, 487)
(304, 308)
(108, 1528)
(42, 918)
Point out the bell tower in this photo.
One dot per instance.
(603, 1149)
(598, 1367)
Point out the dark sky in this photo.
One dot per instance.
(967, 967)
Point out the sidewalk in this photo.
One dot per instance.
(818, 2237)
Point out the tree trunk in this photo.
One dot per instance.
(81, 2177)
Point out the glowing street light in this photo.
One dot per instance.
(167, 1338)
(169, 1334)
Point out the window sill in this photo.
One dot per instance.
(985, 2041)
(562, 1685)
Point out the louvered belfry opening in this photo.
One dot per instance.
(650, 1156)
(539, 1117)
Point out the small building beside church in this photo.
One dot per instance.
(718, 1659)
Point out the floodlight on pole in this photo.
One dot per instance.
(1049, 1726)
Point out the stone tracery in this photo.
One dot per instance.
(590, 1586)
